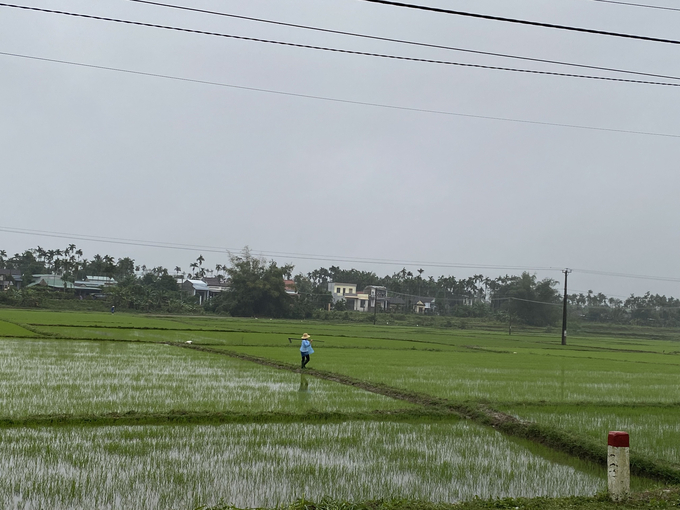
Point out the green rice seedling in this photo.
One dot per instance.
(226, 338)
(70, 318)
(7, 329)
(44, 377)
(204, 337)
(654, 431)
(363, 334)
(501, 377)
(180, 467)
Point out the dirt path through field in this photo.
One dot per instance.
(479, 413)
(428, 401)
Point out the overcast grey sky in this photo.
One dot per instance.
(102, 153)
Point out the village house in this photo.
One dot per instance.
(10, 278)
(348, 292)
(291, 289)
(205, 289)
(423, 305)
(378, 296)
(94, 286)
(359, 301)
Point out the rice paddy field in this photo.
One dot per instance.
(123, 411)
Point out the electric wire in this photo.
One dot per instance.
(532, 301)
(461, 297)
(614, 274)
(342, 101)
(403, 41)
(495, 300)
(638, 5)
(392, 293)
(340, 50)
(623, 306)
(574, 306)
(226, 251)
(326, 258)
(523, 22)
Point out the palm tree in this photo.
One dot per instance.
(49, 257)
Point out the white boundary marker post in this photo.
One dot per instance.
(618, 465)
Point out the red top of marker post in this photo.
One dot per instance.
(619, 439)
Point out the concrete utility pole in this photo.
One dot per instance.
(564, 308)
(618, 465)
(374, 293)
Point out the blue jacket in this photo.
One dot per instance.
(306, 347)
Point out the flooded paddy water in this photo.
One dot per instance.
(42, 377)
(262, 465)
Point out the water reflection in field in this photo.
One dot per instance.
(258, 465)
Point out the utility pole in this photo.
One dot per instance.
(564, 308)
(374, 291)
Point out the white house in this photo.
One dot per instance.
(356, 301)
(197, 288)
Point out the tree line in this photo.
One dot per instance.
(256, 288)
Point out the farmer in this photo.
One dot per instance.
(306, 349)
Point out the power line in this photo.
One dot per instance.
(638, 5)
(339, 50)
(491, 300)
(402, 41)
(342, 101)
(327, 258)
(624, 275)
(531, 301)
(523, 22)
(623, 307)
(302, 256)
(585, 293)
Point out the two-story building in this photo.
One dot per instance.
(355, 301)
(359, 301)
(378, 296)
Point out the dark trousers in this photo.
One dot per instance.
(305, 360)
